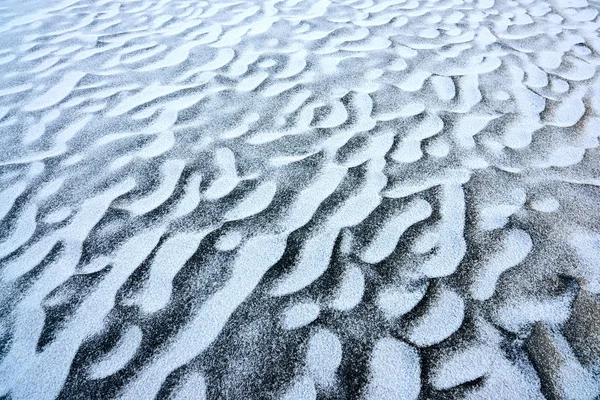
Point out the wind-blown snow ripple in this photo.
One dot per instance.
(299, 199)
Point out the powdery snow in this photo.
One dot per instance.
(299, 199)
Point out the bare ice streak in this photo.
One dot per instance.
(300, 199)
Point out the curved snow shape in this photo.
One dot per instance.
(351, 289)
(395, 371)
(169, 259)
(170, 173)
(303, 388)
(257, 201)
(56, 93)
(228, 178)
(397, 301)
(119, 356)
(300, 315)
(443, 316)
(192, 387)
(515, 245)
(386, 238)
(323, 357)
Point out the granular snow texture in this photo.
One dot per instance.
(299, 199)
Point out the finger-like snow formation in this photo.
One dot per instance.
(300, 199)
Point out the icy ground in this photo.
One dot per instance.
(299, 199)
